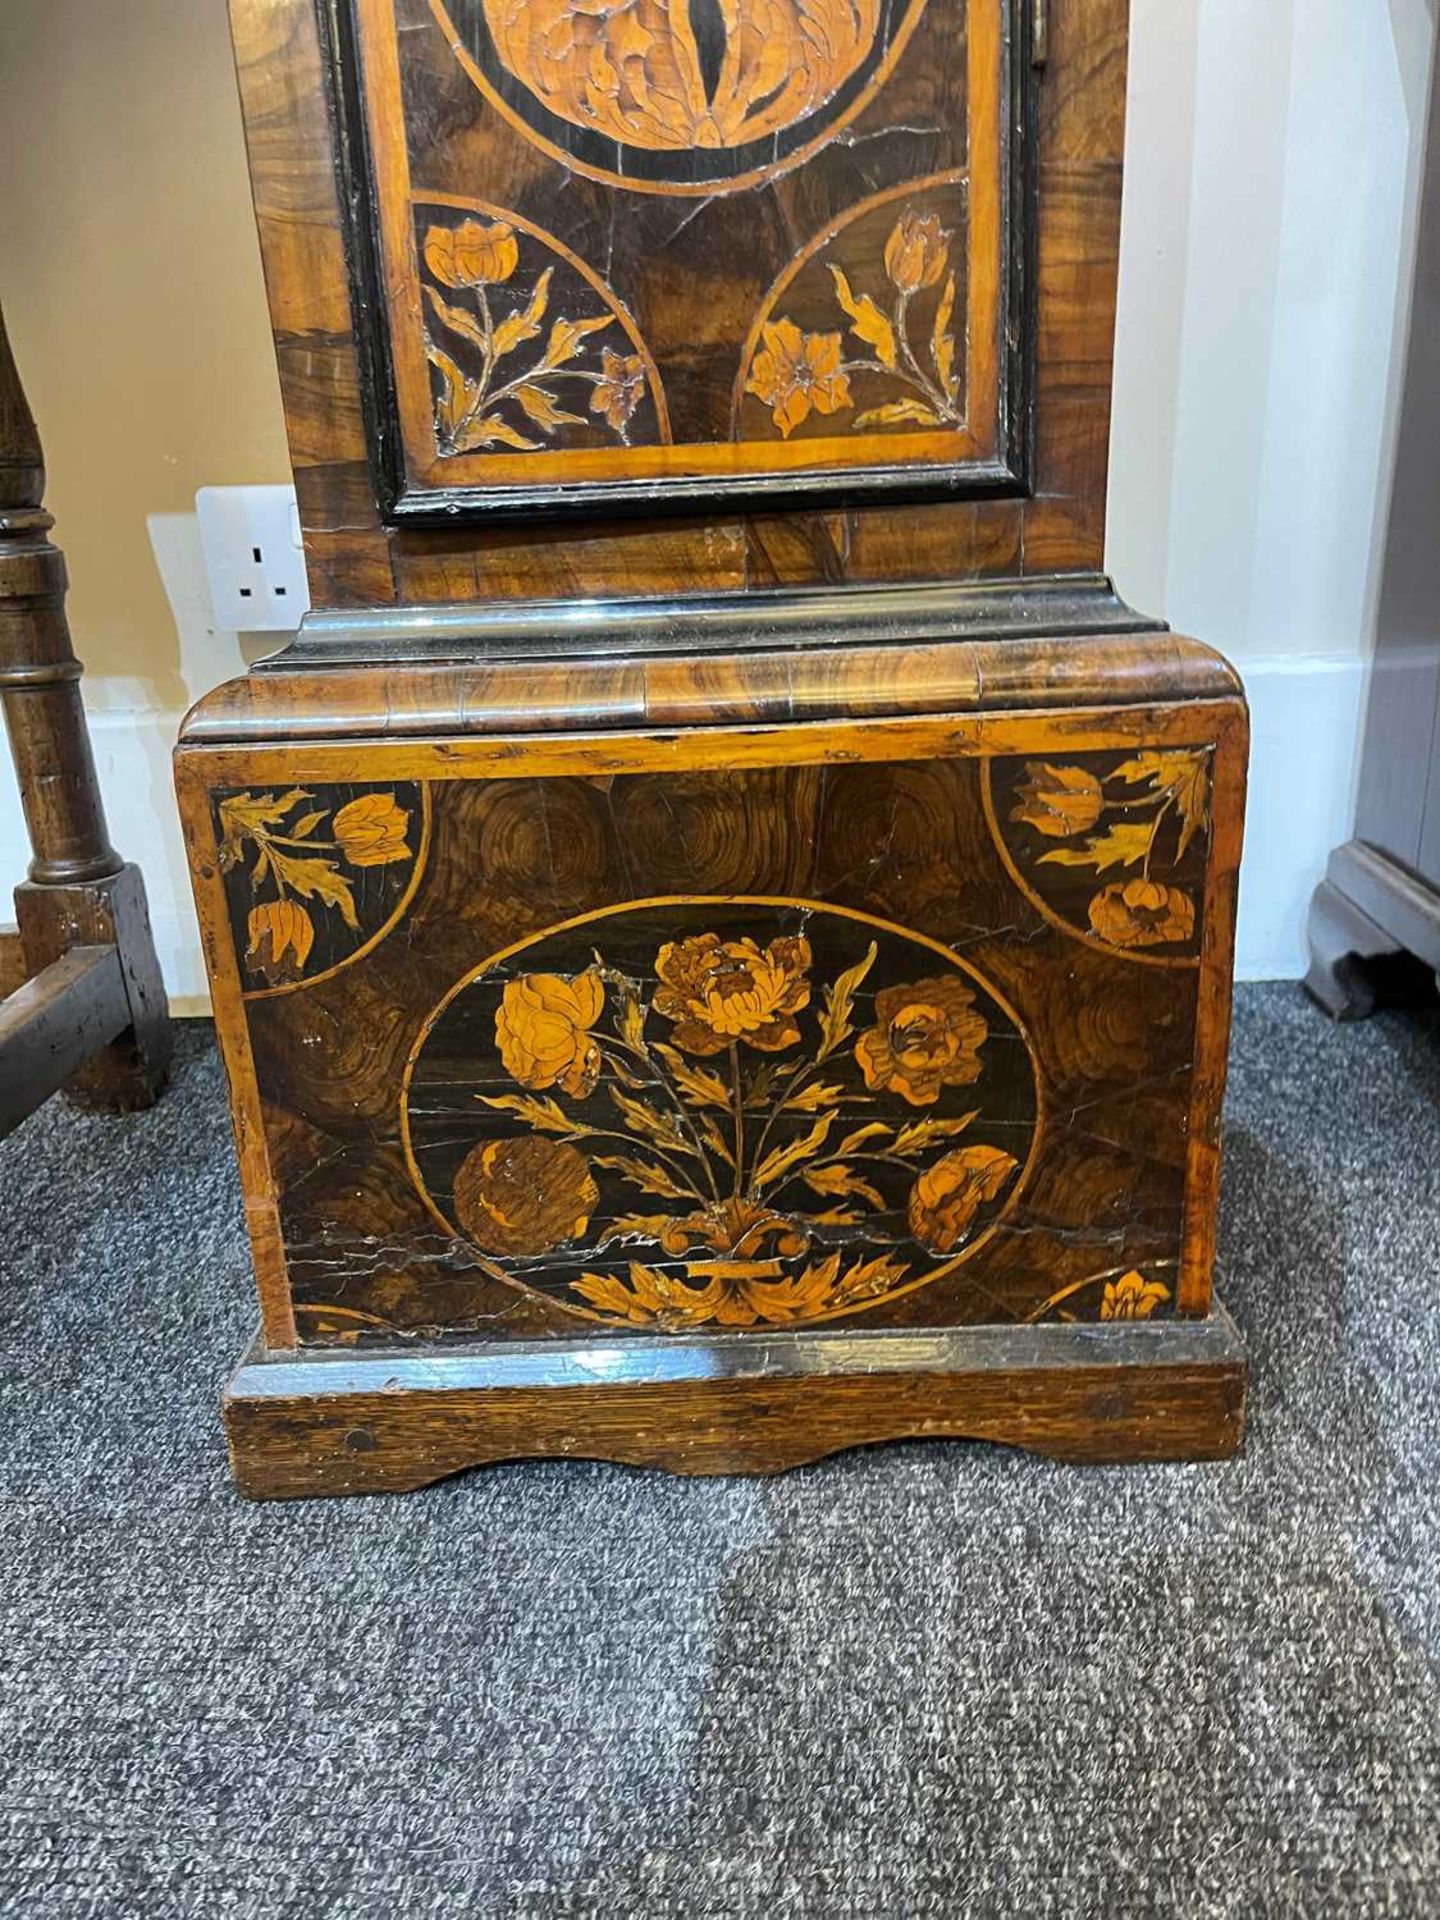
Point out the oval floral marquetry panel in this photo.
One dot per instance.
(315, 876)
(1110, 846)
(864, 333)
(528, 347)
(679, 96)
(735, 1113)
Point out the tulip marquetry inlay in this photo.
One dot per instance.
(314, 879)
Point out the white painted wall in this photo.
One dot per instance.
(1273, 172)
(1274, 155)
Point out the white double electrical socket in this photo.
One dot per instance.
(254, 560)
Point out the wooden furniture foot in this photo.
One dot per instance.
(1367, 908)
(128, 1068)
(85, 1004)
(1342, 941)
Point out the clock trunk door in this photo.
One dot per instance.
(630, 253)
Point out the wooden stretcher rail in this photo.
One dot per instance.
(50, 1027)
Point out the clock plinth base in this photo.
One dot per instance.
(301, 1425)
(718, 1062)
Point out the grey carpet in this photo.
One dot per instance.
(925, 1680)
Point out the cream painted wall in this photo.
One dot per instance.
(131, 282)
(1273, 164)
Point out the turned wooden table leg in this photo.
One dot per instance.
(80, 893)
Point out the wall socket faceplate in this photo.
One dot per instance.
(254, 560)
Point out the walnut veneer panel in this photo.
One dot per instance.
(914, 1022)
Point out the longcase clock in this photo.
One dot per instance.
(721, 922)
